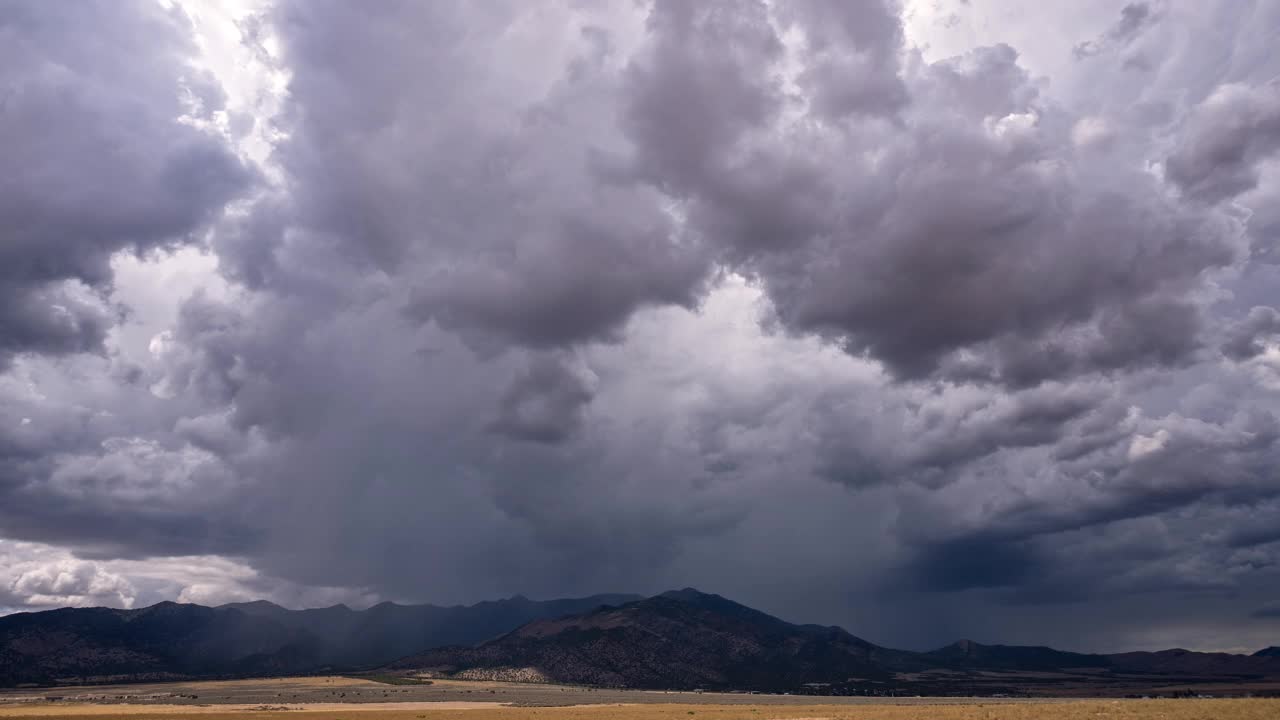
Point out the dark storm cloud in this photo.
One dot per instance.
(544, 404)
(944, 437)
(431, 444)
(98, 160)
(106, 129)
(704, 88)
(567, 298)
(1252, 534)
(1185, 463)
(132, 481)
(482, 185)
(973, 563)
(118, 498)
(970, 238)
(1188, 460)
(1269, 611)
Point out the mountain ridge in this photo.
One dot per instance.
(1027, 657)
(170, 640)
(687, 639)
(680, 639)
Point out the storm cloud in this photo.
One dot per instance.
(861, 313)
(104, 153)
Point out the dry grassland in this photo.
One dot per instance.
(1218, 709)
(340, 698)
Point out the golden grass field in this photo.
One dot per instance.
(323, 700)
(1216, 709)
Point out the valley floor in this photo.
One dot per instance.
(339, 698)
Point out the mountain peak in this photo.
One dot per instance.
(717, 604)
(258, 606)
(165, 607)
(687, 592)
(677, 639)
(690, 595)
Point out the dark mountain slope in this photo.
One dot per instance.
(969, 654)
(1190, 663)
(682, 639)
(242, 639)
(1178, 662)
(165, 640)
(688, 639)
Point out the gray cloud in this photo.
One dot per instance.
(1134, 19)
(939, 437)
(110, 129)
(100, 161)
(1268, 611)
(1245, 338)
(1252, 532)
(853, 56)
(1183, 463)
(545, 403)
(570, 299)
(1228, 135)
(484, 187)
(970, 238)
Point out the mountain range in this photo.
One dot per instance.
(686, 639)
(682, 639)
(172, 640)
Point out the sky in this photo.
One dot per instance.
(941, 319)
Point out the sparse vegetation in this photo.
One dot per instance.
(317, 698)
(1197, 709)
(387, 679)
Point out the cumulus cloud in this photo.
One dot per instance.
(107, 154)
(1228, 136)
(562, 299)
(1246, 338)
(37, 576)
(61, 583)
(487, 192)
(969, 239)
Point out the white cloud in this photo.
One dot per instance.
(1143, 445)
(36, 576)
